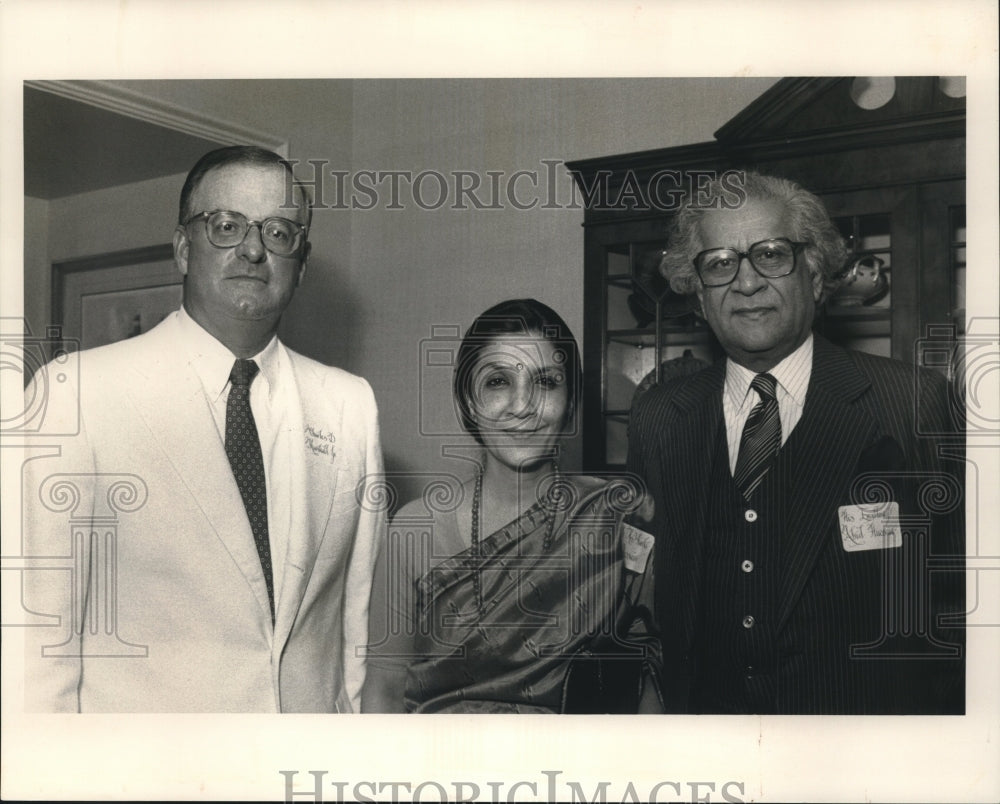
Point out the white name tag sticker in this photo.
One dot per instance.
(636, 545)
(870, 526)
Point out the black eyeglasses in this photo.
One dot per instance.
(773, 258)
(226, 229)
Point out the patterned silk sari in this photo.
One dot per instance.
(563, 626)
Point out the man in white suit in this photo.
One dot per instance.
(209, 500)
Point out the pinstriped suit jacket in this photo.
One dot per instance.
(858, 632)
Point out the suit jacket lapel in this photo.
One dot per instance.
(686, 450)
(830, 437)
(313, 479)
(189, 438)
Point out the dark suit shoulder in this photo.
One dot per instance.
(652, 407)
(920, 388)
(875, 366)
(655, 396)
(916, 405)
(689, 389)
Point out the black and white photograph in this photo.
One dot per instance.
(638, 365)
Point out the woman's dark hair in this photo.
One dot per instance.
(527, 318)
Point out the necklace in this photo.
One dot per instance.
(477, 495)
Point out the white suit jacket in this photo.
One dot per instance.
(146, 562)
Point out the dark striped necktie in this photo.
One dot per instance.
(243, 451)
(761, 437)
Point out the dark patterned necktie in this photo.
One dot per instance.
(243, 451)
(761, 436)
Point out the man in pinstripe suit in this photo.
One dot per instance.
(790, 480)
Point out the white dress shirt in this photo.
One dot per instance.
(738, 398)
(269, 392)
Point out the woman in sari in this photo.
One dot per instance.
(523, 589)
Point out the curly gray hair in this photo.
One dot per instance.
(825, 253)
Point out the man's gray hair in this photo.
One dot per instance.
(825, 253)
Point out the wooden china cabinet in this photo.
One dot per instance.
(888, 158)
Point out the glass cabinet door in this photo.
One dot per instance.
(647, 330)
(956, 255)
(943, 278)
(872, 311)
(905, 279)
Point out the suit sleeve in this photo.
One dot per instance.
(644, 465)
(915, 408)
(642, 631)
(941, 455)
(635, 460)
(58, 482)
(367, 542)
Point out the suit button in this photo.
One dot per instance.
(749, 671)
(747, 566)
(748, 621)
(750, 515)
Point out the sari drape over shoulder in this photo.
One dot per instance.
(575, 608)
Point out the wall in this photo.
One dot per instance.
(315, 118)
(117, 218)
(37, 269)
(418, 268)
(380, 278)
(143, 213)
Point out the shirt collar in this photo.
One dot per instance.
(213, 362)
(792, 375)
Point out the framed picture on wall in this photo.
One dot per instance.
(109, 297)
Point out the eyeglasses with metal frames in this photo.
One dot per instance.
(227, 229)
(771, 259)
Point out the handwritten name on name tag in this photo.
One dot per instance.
(870, 526)
(636, 545)
(320, 442)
